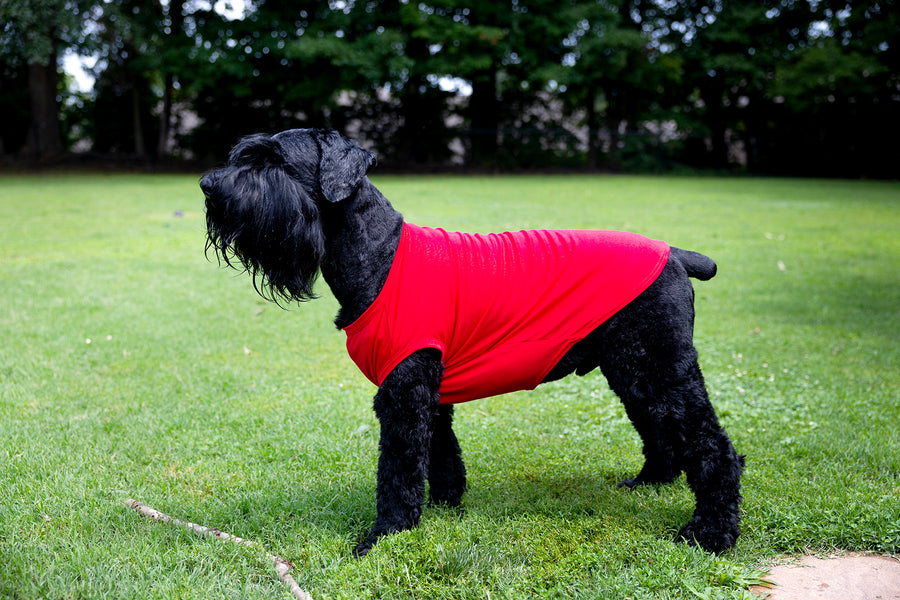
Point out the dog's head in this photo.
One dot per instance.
(263, 207)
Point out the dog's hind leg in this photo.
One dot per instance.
(713, 469)
(646, 352)
(658, 417)
(661, 463)
(407, 406)
(446, 471)
(679, 429)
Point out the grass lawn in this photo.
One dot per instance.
(132, 367)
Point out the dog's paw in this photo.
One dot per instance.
(632, 482)
(455, 508)
(376, 534)
(643, 479)
(447, 497)
(365, 546)
(656, 471)
(709, 535)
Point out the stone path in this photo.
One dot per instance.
(841, 578)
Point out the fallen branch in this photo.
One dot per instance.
(282, 567)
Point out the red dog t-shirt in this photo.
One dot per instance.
(502, 308)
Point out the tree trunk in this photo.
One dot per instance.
(44, 140)
(593, 123)
(139, 148)
(176, 18)
(165, 118)
(716, 120)
(484, 117)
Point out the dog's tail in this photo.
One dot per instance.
(698, 266)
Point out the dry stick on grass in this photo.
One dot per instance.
(282, 567)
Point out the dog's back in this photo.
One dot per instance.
(501, 308)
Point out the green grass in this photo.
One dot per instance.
(131, 367)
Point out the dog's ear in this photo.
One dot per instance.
(342, 165)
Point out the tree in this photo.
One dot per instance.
(798, 87)
(14, 101)
(244, 76)
(502, 49)
(43, 29)
(838, 89)
(171, 57)
(728, 50)
(378, 63)
(616, 74)
(146, 49)
(786, 86)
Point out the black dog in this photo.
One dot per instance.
(290, 205)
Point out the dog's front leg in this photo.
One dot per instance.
(446, 471)
(406, 405)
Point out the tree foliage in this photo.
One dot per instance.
(770, 86)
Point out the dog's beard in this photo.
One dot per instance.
(280, 270)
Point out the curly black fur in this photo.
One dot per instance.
(289, 206)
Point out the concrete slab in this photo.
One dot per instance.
(852, 577)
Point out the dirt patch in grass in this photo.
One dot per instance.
(856, 577)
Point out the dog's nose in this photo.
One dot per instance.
(207, 183)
